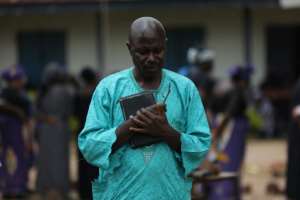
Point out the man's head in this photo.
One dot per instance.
(14, 76)
(206, 60)
(202, 58)
(240, 75)
(147, 44)
(88, 75)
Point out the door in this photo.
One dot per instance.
(282, 54)
(283, 45)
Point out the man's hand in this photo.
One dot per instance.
(150, 121)
(153, 121)
(123, 134)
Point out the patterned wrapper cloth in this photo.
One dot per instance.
(13, 157)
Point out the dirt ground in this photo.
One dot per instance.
(261, 157)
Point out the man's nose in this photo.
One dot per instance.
(151, 57)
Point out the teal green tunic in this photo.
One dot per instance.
(153, 172)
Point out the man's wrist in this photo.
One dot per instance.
(123, 134)
(170, 133)
(172, 138)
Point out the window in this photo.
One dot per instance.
(37, 49)
(179, 40)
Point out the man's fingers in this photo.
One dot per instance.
(137, 130)
(148, 114)
(152, 116)
(137, 122)
(143, 117)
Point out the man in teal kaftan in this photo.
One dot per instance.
(159, 171)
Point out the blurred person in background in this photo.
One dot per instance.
(279, 90)
(229, 133)
(54, 108)
(86, 172)
(15, 131)
(1, 166)
(199, 70)
(293, 162)
(261, 114)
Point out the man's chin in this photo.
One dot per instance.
(154, 69)
(151, 74)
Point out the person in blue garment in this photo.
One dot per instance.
(54, 108)
(200, 68)
(158, 171)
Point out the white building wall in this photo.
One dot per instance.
(223, 29)
(223, 33)
(8, 43)
(80, 36)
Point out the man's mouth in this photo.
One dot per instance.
(151, 68)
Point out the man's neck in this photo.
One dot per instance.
(149, 83)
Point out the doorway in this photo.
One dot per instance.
(283, 53)
(283, 70)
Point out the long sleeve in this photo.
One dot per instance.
(195, 142)
(97, 137)
(154, 172)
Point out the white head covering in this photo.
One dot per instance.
(196, 55)
(205, 55)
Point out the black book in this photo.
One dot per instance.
(130, 105)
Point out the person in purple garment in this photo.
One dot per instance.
(231, 134)
(15, 112)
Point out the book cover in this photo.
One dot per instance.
(130, 105)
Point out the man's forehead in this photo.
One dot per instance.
(149, 35)
(145, 42)
(145, 23)
(146, 28)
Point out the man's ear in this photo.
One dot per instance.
(128, 46)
